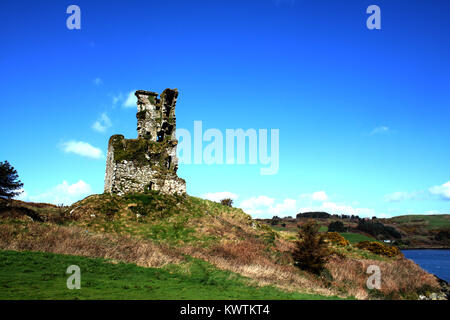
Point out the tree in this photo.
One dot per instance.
(227, 202)
(336, 226)
(10, 184)
(275, 220)
(311, 251)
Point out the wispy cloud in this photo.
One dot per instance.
(97, 81)
(63, 193)
(442, 191)
(83, 149)
(102, 123)
(381, 130)
(401, 196)
(131, 100)
(217, 196)
(116, 98)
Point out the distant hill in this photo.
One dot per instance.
(422, 231)
(409, 231)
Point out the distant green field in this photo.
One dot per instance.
(356, 237)
(429, 221)
(37, 275)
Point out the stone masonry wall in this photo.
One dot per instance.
(148, 162)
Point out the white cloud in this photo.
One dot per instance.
(257, 205)
(63, 193)
(23, 196)
(131, 100)
(217, 196)
(400, 196)
(443, 191)
(335, 208)
(97, 81)
(265, 207)
(102, 123)
(287, 207)
(381, 130)
(319, 196)
(83, 149)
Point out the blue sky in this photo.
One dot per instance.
(362, 114)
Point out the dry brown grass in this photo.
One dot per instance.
(252, 260)
(399, 277)
(76, 241)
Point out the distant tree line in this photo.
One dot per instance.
(315, 215)
(376, 228)
(325, 215)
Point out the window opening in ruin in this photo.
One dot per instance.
(160, 136)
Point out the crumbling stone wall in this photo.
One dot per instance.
(149, 162)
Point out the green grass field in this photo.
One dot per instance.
(37, 275)
(356, 237)
(429, 221)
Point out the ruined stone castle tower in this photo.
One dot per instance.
(149, 162)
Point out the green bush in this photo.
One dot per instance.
(379, 248)
(337, 226)
(227, 202)
(311, 251)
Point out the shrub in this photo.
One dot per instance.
(227, 202)
(442, 235)
(275, 220)
(379, 248)
(336, 238)
(311, 251)
(336, 226)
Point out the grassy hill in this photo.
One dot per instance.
(199, 241)
(430, 222)
(422, 231)
(38, 275)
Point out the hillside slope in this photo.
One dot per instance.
(155, 230)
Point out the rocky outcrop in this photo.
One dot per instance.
(150, 161)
